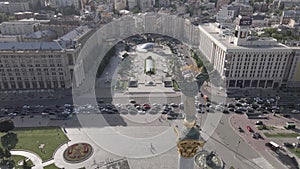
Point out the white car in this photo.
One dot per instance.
(219, 108)
(295, 111)
(141, 112)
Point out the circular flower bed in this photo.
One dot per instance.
(78, 152)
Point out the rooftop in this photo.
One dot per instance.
(40, 34)
(224, 40)
(21, 46)
(76, 34)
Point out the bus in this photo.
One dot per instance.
(274, 146)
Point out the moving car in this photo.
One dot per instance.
(249, 129)
(240, 129)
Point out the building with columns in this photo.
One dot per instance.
(294, 69)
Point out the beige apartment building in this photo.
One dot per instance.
(38, 65)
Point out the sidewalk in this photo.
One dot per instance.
(36, 160)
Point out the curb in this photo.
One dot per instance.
(229, 120)
(31, 152)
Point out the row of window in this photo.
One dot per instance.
(30, 56)
(31, 65)
(32, 78)
(259, 67)
(32, 74)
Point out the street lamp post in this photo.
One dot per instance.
(237, 146)
(298, 141)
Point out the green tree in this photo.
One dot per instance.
(288, 33)
(7, 153)
(136, 10)
(9, 141)
(6, 126)
(1, 154)
(3, 17)
(8, 163)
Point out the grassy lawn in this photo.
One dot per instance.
(20, 158)
(31, 138)
(175, 85)
(282, 135)
(51, 166)
(294, 151)
(264, 127)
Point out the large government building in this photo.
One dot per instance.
(246, 61)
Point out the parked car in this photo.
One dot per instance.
(238, 111)
(240, 129)
(231, 105)
(259, 123)
(146, 106)
(225, 111)
(132, 101)
(175, 116)
(286, 116)
(288, 145)
(174, 105)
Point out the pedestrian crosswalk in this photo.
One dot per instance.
(262, 163)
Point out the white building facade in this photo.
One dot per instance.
(245, 63)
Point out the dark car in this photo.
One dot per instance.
(240, 129)
(255, 106)
(231, 105)
(238, 111)
(175, 116)
(225, 111)
(288, 145)
(258, 135)
(101, 101)
(286, 116)
(265, 112)
(132, 101)
(238, 105)
(259, 123)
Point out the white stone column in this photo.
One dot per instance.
(185, 163)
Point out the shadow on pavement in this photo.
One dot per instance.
(287, 160)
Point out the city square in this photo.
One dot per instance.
(142, 84)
